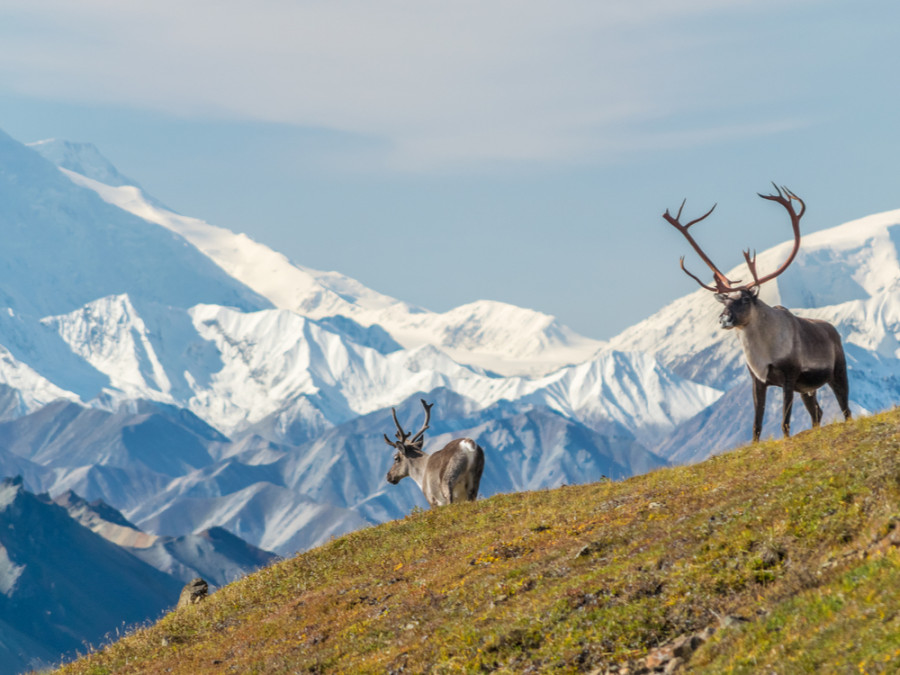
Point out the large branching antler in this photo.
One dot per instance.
(723, 284)
(784, 198)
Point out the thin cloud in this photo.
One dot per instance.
(438, 82)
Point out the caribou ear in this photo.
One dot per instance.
(722, 297)
(411, 451)
(754, 292)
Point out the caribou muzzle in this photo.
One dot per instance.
(726, 319)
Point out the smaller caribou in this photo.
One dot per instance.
(449, 475)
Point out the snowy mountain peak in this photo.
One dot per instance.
(83, 158)
(492, 335)
(110, 335)
(853, 261)
(63, 247)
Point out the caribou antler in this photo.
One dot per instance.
(420, 434)
(723, 284)
(783, 198)
(403, 437)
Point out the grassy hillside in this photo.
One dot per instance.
(781, 557)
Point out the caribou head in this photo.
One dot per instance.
(781, 349)
(408, 449)
(740, 300)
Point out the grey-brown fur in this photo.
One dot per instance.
(452, 474)
(783, 350)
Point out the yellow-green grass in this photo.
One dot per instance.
(794, 536)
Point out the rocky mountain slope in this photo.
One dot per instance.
(214, 554)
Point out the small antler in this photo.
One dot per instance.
(420, 434)
(400, 435)
(723, 284)
(403, 436)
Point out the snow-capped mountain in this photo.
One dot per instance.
(259, 406)
(237, 365)
(82, 158)
(64, 247)
(493, 335)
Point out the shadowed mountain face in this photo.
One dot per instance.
(65, 583)
(62, 585)
(214, 554)
(156, 438)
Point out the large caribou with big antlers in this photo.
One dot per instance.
(781, 349)
(452, 474)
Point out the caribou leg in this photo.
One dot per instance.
(759, 405)
(812, 405)
(788, 405)
(841, 387)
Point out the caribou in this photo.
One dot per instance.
(452, 474)
(781, 349)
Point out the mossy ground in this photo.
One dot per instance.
(795, 536)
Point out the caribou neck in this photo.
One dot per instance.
(767, 338)
(417, 468)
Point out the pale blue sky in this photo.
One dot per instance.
(444, 152)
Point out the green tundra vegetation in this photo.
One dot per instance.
(790, 549)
